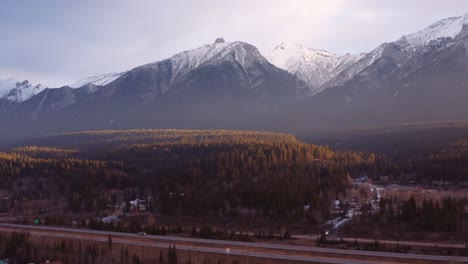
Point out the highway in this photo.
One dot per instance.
(211, 250)
(251, 249)
(387, 242)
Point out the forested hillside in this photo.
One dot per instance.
(431, 152)
(185, 172)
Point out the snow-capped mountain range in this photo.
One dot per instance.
(407, 45)
(244, 68)
(319, 69)
(210, 54)
(418, 77)
(20, 91)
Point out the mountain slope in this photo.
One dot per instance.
(218, 85)
(407, 46)
(53, 100)
(429, 85)
(446, 28)
(99, 80)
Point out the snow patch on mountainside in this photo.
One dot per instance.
(6, 85)
(16, 91)
(188, 60)
(446, 28)
(315, 67)
(99, 80)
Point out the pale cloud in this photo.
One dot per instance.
(57, 42)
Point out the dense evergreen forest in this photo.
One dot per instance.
(211, 172)
(185, 172)
(446, 215)
(19, 248)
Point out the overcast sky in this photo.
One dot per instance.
(56, 42)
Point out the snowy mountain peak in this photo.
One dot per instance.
(195, 57)
(188, 60)
(445, 28)
(17, 91)
(219, 40)
(99, 80)
(313, 66)
(287, 53)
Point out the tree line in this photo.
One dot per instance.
(196, 172)
(429, 215)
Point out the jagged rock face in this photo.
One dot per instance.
(219, 40)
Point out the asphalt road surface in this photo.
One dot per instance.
(296, 253)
